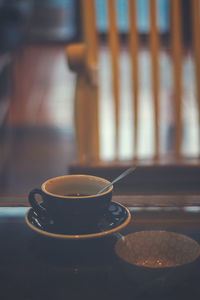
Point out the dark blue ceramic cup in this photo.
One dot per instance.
(71, 197)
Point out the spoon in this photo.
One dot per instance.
(125, 173)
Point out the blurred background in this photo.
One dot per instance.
(37, 138)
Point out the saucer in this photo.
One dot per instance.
(114, 219)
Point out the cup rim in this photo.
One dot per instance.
(75, 197)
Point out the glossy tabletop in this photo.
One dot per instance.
(36, 267)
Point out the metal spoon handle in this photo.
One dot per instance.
(125, 173)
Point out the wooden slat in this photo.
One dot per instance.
(76, 55)
(114, 49)
(196, 49)
(177, 72)
(91, 40)
(154, 48)
(90, 33)
(81, 120)
(134, 50)
(93, 112)
(180, 200)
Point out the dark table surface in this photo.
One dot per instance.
(35, 267)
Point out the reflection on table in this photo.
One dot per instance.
(35, 267)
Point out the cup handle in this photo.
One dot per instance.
(38, 209)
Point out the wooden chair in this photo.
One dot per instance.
(83, 58)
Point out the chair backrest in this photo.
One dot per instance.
(175, 51)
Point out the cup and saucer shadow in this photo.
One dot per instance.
(72, 255)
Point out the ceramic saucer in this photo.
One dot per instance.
(114, 219)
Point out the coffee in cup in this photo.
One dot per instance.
(69, 197)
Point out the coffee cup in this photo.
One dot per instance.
(69, 197)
